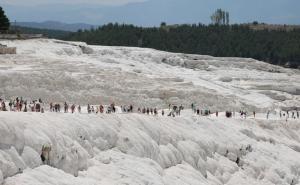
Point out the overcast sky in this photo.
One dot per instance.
(151, 12)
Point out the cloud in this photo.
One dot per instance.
(71, 2)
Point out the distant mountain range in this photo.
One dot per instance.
(55, 34)
(55, 25)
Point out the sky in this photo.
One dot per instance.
(151, 12)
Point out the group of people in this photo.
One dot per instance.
(21, 105)
(148, 111)
(55, 107)
(289, 114)
(243, 114)
(99, 109)
(127, 108)
(174, 110)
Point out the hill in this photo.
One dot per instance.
(57, 34)
(55, 25)
(144, 77)
(140, 149)
(272, 46)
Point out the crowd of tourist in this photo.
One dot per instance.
(21, 105)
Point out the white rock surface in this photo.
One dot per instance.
(138, 149)
(62, 71)
(147, 150)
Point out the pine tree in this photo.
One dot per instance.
(4, 22)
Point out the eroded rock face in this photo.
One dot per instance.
(143, 149)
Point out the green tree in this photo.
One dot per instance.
(163, 24)
(220, 17)
(4, 22)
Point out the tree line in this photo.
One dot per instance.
(221, 40)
